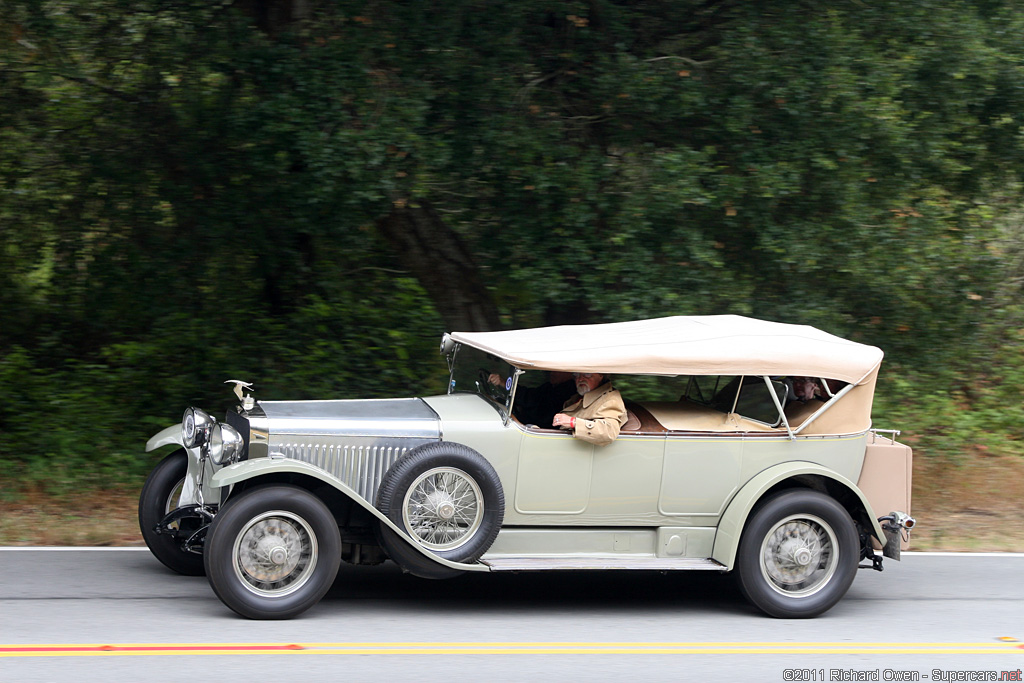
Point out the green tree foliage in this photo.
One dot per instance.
(307, 193)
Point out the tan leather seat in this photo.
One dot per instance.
(632, 422)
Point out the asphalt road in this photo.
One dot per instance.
(118, 615)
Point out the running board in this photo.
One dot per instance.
(514, 564)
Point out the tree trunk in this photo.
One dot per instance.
(439, 259)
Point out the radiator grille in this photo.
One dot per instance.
(360, 466)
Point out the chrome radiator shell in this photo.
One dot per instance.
(360, 462)
(355, 441)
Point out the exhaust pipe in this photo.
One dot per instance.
(897, 520)
(897, 526)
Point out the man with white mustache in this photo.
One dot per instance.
(597, 415)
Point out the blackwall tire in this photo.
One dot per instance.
(798, 554)
(273, 552)
(160, 496)
(449, 499)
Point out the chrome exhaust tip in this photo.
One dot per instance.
(898, 520)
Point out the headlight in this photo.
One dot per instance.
(195, 427)
(225, 443)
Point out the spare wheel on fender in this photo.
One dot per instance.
(448, 499)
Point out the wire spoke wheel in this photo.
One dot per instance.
(275, 553)
(443, 508)
(443, 498)
(798, 555)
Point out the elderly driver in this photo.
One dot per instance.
(597, 415)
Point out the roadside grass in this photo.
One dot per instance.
(93, 517)
(976, 504)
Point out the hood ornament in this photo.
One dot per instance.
(247, 400)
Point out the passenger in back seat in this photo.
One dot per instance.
(807, 388)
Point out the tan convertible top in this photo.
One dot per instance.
(684, 345)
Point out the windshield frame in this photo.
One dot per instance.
(500, 398)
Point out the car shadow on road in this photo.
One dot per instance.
(646, 591)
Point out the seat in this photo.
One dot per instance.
(639, 419)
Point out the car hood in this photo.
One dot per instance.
(396, 417)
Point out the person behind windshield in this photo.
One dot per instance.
(597, 415)
(538, 405)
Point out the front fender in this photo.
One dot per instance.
(730, 528)
(250, 469)
(165, 437)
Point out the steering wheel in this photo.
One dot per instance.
(484, 386)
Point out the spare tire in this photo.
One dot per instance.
(448, 499)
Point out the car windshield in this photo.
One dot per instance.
(473, 370)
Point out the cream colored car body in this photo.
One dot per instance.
(675, 491)
(646, 500)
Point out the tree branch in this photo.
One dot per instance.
(444, 266)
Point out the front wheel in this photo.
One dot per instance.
(273, 552)
(798, 554)
(160, 495)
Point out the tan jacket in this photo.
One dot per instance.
(599, 414)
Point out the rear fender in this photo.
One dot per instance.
(730, 528)
(252, 469)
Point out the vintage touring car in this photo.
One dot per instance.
(746, 447)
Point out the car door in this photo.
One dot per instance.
(701, 474)
(554, 473)
(579, 483)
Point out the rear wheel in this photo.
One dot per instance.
(798, 555)
(160, 495)
(273, 552)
